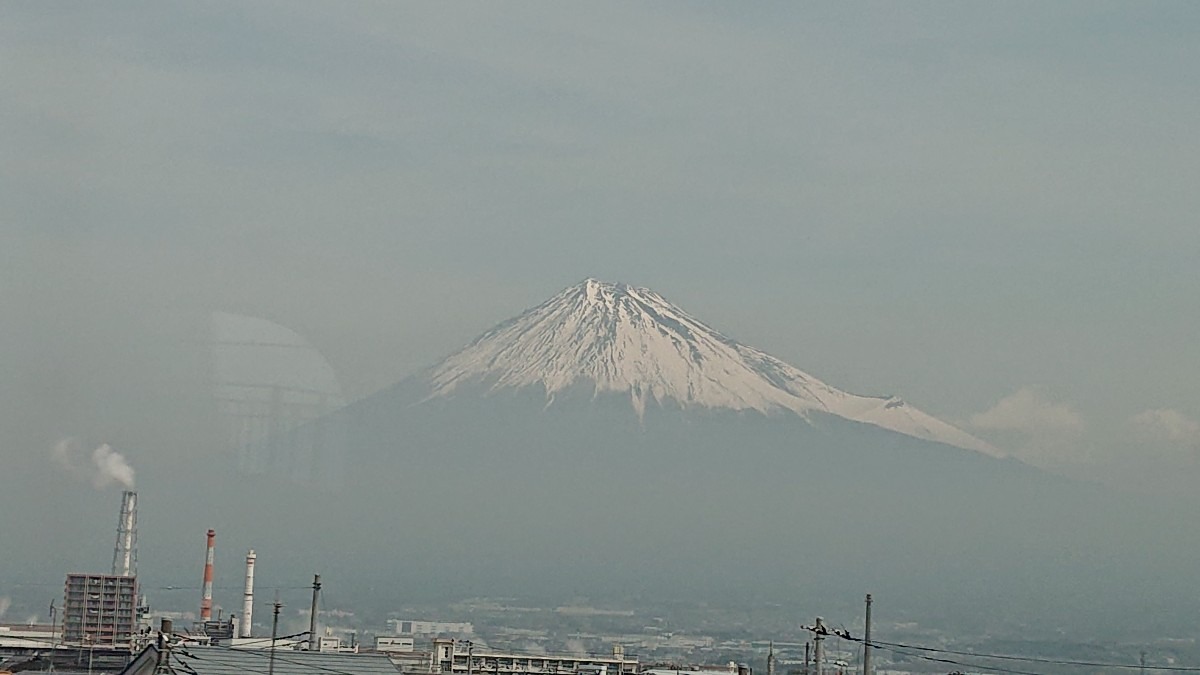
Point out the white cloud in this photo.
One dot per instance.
(1169, 425)
(1029, 411)
(1036, 429)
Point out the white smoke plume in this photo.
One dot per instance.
(104, 467)
(111, 467)
(5, 603)
(63, 452)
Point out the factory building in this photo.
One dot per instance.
(28, 636)
(387, 644)
(460, 656)
(100, 610)
(430, 628)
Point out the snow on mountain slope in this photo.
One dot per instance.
(613, 338)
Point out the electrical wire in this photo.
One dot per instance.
(185, 636)
(197, 587)
(210, 658)
(258, 641)
(936, 659)
(259, 653)
(187, 668)
(278, 659)
(1030, 659)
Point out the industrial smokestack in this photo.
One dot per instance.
(206, 596)
(125, 552)
(248, 595)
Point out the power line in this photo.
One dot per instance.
(820, 630)
(255, 641)
(187, 668)
(258, 653)
(194, 586)
(964, 664)
(189, 586)
(1027, 659)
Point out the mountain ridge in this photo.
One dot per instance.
(613, 338)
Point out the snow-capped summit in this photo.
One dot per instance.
(617, 339)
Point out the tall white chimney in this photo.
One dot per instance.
(125, 552)
(248, 596)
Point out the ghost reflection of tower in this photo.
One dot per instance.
(275, 391)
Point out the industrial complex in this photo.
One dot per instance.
(106, 626)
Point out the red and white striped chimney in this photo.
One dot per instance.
(206, 597)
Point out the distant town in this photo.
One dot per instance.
(104, 624)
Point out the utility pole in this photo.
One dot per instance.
(818, 636)
(312, 616)
(807, 656)
(1142, 661)
(274, 634)
(867, 640)
(53, 633)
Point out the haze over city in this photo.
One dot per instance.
(671, 302)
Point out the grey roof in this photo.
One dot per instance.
(192, 660)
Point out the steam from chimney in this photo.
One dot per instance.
(64, 452)
(103, 468)
(111, 468)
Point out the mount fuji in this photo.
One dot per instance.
(607, 443)
(602, 338)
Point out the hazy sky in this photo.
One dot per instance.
(989, 209)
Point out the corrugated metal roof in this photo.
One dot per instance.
(193, 660)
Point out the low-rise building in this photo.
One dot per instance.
(431, 628)
(29, 636)
(394, 644)
(461, 656)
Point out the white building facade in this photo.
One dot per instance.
(431, 628)
(461, 657)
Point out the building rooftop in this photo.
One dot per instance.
(194, 660)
